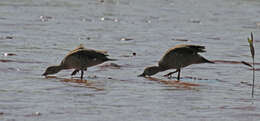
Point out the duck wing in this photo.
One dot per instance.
(80, 47)
(181, 56)
(90, 54)
(189, 49)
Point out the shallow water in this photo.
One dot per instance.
(39, 33)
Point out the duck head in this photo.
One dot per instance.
(149, 71)
(52, 70)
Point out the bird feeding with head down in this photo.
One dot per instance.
(177, 58)
(79, 59)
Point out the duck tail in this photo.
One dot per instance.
(206, 60)
(109, 59)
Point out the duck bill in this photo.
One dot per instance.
(141, 75)
(44, 74)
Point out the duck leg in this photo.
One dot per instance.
(82, 73)
(169, 74)
(74, 72)
(179, 73)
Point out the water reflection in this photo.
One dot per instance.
(136, 32)
(175, 83)
(79, 83)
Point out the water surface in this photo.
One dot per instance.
(41, 32)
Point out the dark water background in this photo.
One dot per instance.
(41, 32)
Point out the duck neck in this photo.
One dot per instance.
(161, 68)
(58, 68)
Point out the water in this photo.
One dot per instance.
(41, 33)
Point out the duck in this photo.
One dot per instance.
(79, 59)
(177, 57)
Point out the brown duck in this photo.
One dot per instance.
(178, 57)
(79, 59)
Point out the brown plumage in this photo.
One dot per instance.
(79, 59)
(178, 57)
